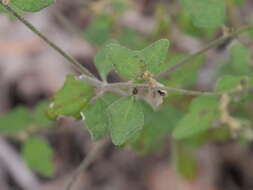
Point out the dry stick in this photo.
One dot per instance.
(73, 61)
(211, 45)
(87, 161)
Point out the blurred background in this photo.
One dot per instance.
(36, 153)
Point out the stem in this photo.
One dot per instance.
(87, 161)
(211, 45)
(178, 90)
(73, 61)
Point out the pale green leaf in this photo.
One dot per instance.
(99, 30)
(206, 13)
(119, 6)
(16, 121)
(203, 111)
(31, 5)
(124, 60)
(96, 119)
(155, 55)
(38, 155)
(132, 39)
(186, 162)
(158, 126)
(71, 98)
(126, 119)
(240, 59)
(40, 114)
(103, 62)
(229, 82)
(185, 75)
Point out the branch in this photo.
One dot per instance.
(87, 162)
(71, 60)
(211, 45)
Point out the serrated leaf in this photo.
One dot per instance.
(38, 155)
(155, 55)
(15, 121)
(71, 98)
(240, 59)
(126, 119)
(205, 13)
(99, 30)
(31, 5)
(203, 111)
(124, 60)
(228, 82)
(96, 119)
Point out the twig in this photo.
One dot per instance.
(87, 161)
(125, 85)
(73, 61)
(211, 45)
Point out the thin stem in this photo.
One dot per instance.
(90, 80)
(211, 45)
(73, 61)
(178, 90)
(87, 162)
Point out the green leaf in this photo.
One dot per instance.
(125, 61)
(39, 114)
(15, 121)
(38, 155)
(103, 62)
(186, 163)
(155, 55)
(99, 30)
(132, 39)
(31, 5)
(203, 111)
(96, 119)
(205, 13)
(119, 6)
(185, 75)
(229, 82)
(71, 98)
(158, 126)
(22, 119)
(240, 59)
(185, 23)
(126, 119)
